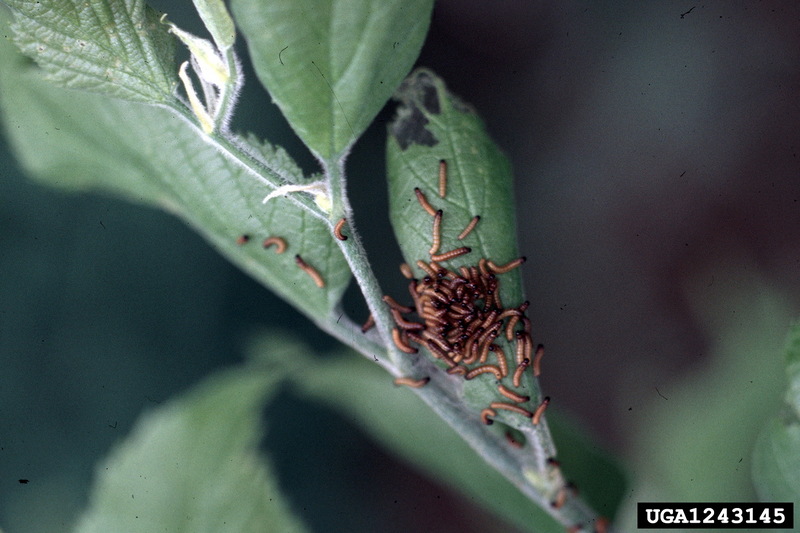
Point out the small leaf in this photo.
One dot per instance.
(793, 370)
(114, 47)
(332, 65)
(85, 142)
(193, 465)
(776, 463)
(776, 457)
(218, 22)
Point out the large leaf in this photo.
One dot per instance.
(776, 458)
(115, 47)
(331, 65)
(192, 465)
(82, 142)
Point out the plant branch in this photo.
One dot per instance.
(338, 325)
(356, 257)
(229, 92)
(533, 474)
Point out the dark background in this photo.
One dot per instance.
(655, 146)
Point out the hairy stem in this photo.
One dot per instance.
(356, 257)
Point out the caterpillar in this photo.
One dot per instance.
(511, 407)
(442, 178)
(369, 324)
(411, 382)
(517, 379)
(337, 229)
(452, 254)
(311, 271)
(406, 271)
(537, 360)
(469, 228)
(483, 369)
(437, 237)
(537, 415)
(560, 499)
(277, 242)
(511, 395)
(423, 201)
(402, 342)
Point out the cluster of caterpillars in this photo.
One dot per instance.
(461, 316)
(280, 246)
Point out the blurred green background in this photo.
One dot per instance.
(658, 189)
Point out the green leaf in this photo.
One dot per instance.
(401, 422)
(793, 370)
(114, 47)
(694, 440)
(149, 155)
(433, 125)
(595, 472)
(776, 457)
(193, 465)
(776, 463)
(332, 65)
(218, 21)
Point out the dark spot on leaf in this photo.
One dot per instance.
(419, 96)
(430, 99)
(420, 89)
(409, 128)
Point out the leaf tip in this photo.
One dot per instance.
(419, 97)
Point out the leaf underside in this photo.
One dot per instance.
(82, 142)
(114, 47)
(431, 126)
